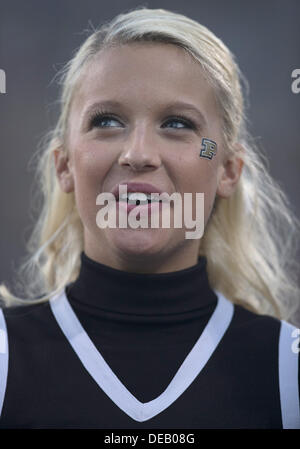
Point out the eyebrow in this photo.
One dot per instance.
(167, 108)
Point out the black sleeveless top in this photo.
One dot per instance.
(144, 326)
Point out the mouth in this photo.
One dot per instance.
(139, 194)
(138, 199)
(146, 208)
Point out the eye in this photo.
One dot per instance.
(187, 123)
(99, 118)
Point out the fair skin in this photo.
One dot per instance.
(143, 143)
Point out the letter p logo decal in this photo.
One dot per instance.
(208, 149)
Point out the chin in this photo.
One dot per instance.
(138, 241)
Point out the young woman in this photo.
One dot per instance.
(142, 327)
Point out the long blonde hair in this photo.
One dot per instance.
(251, 239)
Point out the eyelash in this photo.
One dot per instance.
(100, 115)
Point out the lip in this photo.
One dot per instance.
(145, 208)
(139, 187)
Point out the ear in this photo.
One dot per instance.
(230, 171)
(63, 170)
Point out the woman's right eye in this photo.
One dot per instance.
(98, 120)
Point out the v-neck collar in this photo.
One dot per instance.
(103, 375)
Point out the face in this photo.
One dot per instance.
(144, 138)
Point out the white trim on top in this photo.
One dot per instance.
(109, 382)
(3, 359)
(288, 376)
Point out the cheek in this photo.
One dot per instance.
(89, 169)
(201, 177)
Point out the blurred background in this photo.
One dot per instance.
(38, 37)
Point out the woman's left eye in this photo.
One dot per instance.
(186, 123)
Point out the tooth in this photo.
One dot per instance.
(137, 196)
(133, 197)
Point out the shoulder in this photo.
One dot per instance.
(263, 337)
(254, 328)
(261, 326)
(25, 311)
(28, 322)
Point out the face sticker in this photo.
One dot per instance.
(209, 148)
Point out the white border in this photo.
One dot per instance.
(3, 359)
(109, 382)
(288, 378)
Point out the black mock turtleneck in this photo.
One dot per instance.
(150, 296)
(144, 326)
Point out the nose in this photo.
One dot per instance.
(140, 152)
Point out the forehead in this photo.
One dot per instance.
(145, 75)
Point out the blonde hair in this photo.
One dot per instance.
(251, 239)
